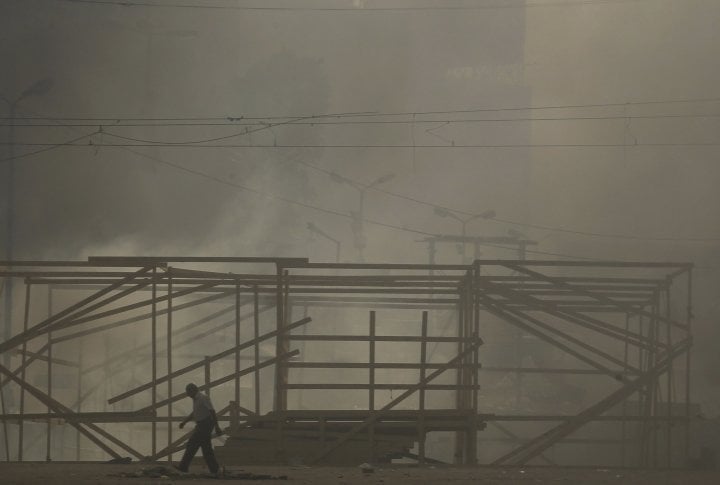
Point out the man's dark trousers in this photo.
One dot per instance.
(200, 439)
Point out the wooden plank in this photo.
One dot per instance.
(377, 338)
(57, 406)
(201, 363)
(48, 324)
(222, 380)
(385, 365)
(144, 260)
(620, 305)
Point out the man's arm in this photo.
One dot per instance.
(213, 416)
(186, 420)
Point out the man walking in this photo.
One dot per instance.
(205, 420)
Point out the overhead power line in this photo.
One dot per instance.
(71, 142)
(378, 189)
(366, 114)
(365, 146)
(556, 3)
(364, 122)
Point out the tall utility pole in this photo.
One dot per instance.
(463, 221)
(38, 88)
(358, 224)
(316, 230)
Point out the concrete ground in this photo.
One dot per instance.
(103, 474)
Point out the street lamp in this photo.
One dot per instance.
(316, 230)
(442, 212)
(358, 225)
(38, 88)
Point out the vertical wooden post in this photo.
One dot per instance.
(6, 437)
(153, 338)
(169, 362)
(371, 391)
(207, 374)
(301, 371)
(689, 317)
(474, 302)
(49, 393)
(459, 398)
(471, 433)
(656, 380)
(48, 451)
(623, 424)
(237, 344)
(23, 357)
(234, 417)
(669, 399)
(642, 394)
(78, 436)
(256, 327)
(280, 342)
(421, 399)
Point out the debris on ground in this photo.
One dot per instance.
(119, 461)
(367, 468)
(160, 471)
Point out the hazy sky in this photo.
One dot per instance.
(630, 60)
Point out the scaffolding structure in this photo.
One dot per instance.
(303, 359)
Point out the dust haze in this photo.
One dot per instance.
(297, 113)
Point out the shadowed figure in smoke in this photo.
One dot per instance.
(205, 419)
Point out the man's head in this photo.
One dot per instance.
(191, 389)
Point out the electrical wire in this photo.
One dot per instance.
(264, 126)
(381, 146)
(126, 3)
(380, 190)
(49, 147)
(366, 114)
(372, 122)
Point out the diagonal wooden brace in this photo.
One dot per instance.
(374, 416)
